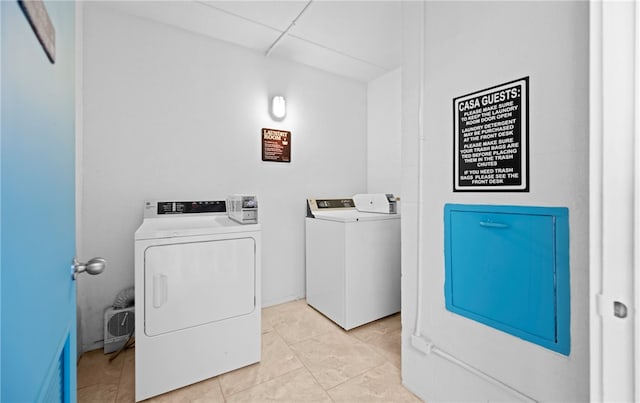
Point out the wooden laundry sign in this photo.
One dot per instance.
(491, 139)
(276, 145)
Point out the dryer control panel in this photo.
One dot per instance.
(161, 208)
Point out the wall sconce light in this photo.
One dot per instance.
(278, 107)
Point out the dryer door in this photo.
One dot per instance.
(192, 284)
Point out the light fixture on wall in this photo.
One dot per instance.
(278, 107)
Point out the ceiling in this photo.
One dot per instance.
(356, 39)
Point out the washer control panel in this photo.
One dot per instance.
(317, 205)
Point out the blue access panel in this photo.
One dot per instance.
(508, 267)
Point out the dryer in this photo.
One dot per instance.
(197, 291)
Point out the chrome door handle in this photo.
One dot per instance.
(93, 266)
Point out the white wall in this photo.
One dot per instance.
(469, 46)
(171, 114)
(384, 127)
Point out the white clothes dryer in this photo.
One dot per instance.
(197, 291)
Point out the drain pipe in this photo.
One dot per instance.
(418, 341)
(273, 45)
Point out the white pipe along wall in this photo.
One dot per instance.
(172, 114)
(467, 47)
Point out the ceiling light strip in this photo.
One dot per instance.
(273, 45)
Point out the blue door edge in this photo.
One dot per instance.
(1, 206)
(71, 364)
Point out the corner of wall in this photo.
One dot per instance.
(384, 133)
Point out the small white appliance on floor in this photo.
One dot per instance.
(197, 292)
(353, 258)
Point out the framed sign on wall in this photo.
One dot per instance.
(491, 139)
(276, 145)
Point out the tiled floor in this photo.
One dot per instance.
(305, 358)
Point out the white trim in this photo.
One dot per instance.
(617, 192)
(595, 197)
(79, 123)
(636, 212)
(417, 333)
(78, 152)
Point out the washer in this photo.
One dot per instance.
(352, 262)
(197, 291)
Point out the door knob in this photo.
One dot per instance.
(93, 266)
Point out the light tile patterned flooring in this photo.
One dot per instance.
(305, 358)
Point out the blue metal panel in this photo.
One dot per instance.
(508, 267)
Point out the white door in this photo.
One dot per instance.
(614, 188)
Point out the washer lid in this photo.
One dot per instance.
(353, 216)
(170, 227)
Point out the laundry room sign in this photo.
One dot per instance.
(491, 139)
(276, 145)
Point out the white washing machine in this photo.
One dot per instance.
(352, 262)
(197, 291)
